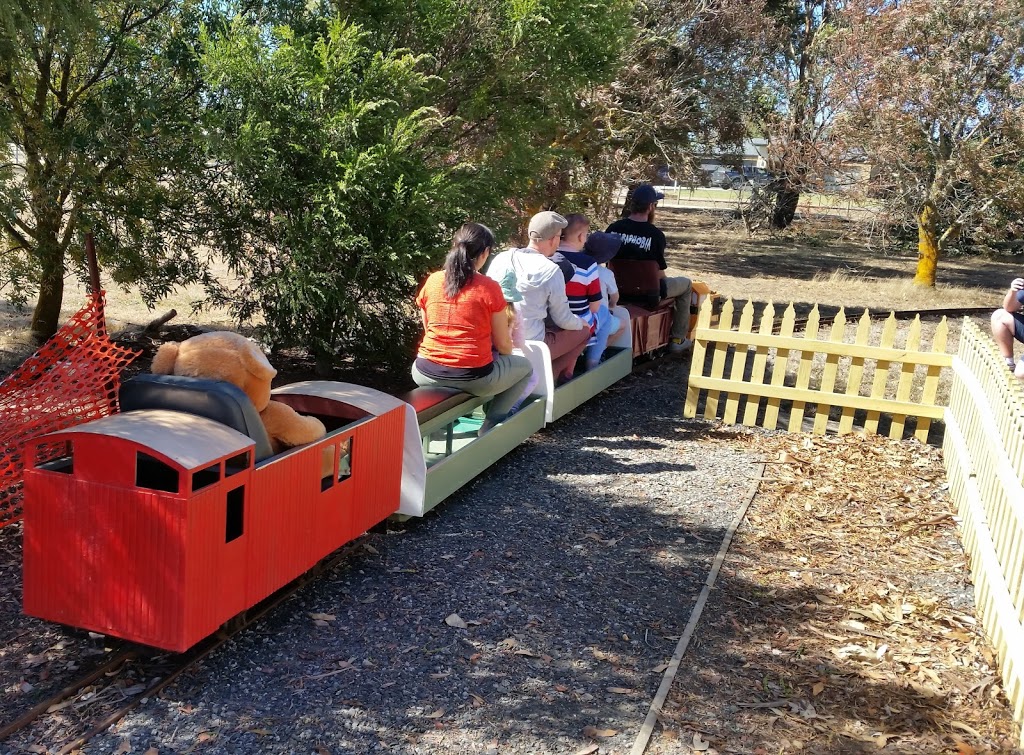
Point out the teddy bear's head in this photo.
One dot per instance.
(220, 355)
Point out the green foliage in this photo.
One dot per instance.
(516, 76)
(335, 203)
(99, 102)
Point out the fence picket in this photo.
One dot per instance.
(771, 411)
(881, 376)
(906, 377)
(856, 375)
(697, 359)
(803, 374)
(718, 360)
(739, 365)
(828, 377)
(757, 371)
(931, 380)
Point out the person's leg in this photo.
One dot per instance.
(680, 288)
(1004, 327)
(507, 381)
(527, 390)
(566, 347)
(606, 325)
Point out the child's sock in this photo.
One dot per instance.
(1010, 363)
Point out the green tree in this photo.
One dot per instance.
(99, 106)
(517, 79)
(335, 200)
(791, 102)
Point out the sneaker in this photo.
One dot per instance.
(680, 348)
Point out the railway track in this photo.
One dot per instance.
(132, 675)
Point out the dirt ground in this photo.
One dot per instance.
(842, 621)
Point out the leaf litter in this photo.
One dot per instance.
(846, 585)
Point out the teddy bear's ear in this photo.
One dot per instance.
(255, 361)
(164, 359)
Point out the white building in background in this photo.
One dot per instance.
(752, 154)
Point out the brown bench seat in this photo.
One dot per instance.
(433, 402)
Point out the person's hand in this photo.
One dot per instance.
(1017, 284)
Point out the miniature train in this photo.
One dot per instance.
(161, 523)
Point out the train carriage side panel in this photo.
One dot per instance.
(128, 537)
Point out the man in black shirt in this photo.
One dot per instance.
(642, 240)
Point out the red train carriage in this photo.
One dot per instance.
(159, 524)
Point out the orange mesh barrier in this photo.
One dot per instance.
(71, 379)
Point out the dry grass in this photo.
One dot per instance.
(826, 264)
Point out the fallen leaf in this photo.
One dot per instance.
(818, 688)
(43, 750)
(454, 620)
(442, 675)
(964, 727)
(593, 731)
(561, 688)
(206, 736)
(477, 700)
(371, 549)
(620, 690)
(152, 751)
(436, 714)
(261, 732)
(25, 687)
(123, 747)
(962, 748)
(588, 750)
(660, 668)
(524, 651)
(700, 744)
(322, 616)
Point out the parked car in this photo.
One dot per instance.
(726, 177)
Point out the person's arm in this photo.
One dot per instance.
(500, 336)
(658, 247)
(613, 299)
(1011, 303)
(558, 306)
(594, 289)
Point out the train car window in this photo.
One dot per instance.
(56, 457)
(345, 460)
(327, 481)
(154, 474)
(236, 464)
(204, 478)
(235, 514)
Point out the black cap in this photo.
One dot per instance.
(645, 194)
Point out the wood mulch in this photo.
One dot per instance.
(843, 619)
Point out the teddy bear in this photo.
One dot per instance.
(231, 357)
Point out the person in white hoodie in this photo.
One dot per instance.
(544, 307)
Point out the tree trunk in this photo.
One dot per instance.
(46, 315)
(927, 245)
(786, 201)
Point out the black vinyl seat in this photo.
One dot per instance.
(213, 399)
(433, 402)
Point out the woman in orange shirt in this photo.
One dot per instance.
(467, 344)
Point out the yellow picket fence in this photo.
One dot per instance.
(865, 367)
(983, 448)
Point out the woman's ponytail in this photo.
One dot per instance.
(470, 243)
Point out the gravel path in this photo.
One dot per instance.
(574, 563)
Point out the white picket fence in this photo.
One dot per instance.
(984, 457)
